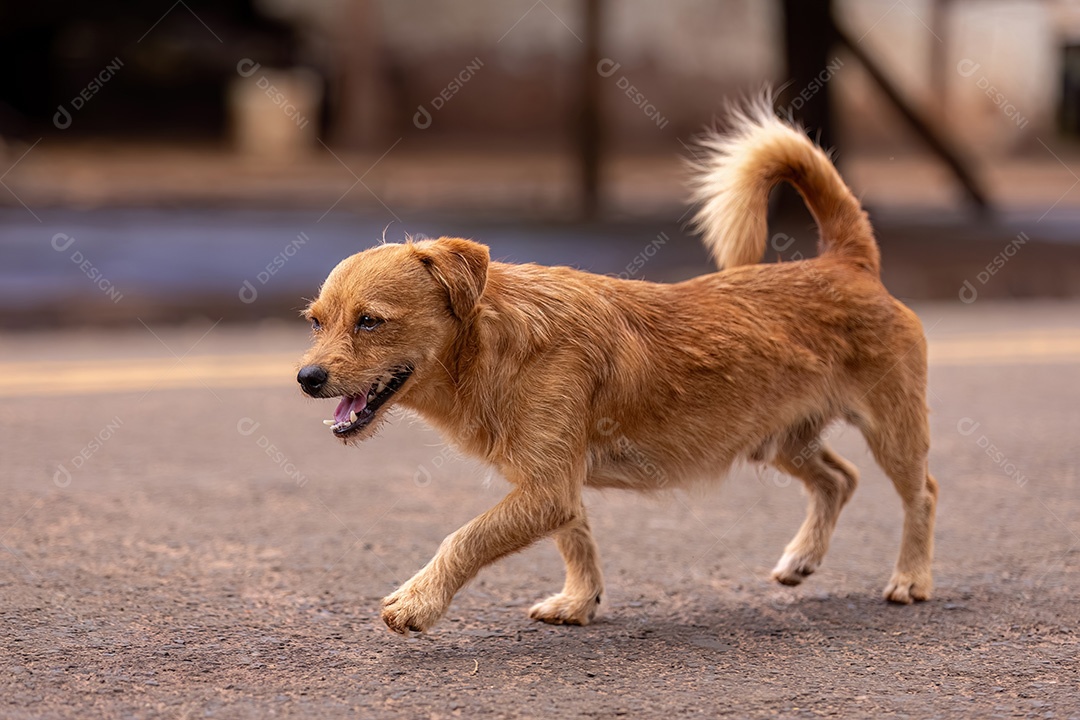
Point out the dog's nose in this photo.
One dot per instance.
(312, 378)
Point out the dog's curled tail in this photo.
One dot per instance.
(737, 169)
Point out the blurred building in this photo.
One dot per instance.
(995, 73)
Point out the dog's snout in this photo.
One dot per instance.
(312, 378)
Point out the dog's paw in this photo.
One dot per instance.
(565, 609)
(407, 609)
(793, 568)
(906, 588)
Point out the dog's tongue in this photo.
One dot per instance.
(349, 404)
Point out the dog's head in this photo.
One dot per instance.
(383, 322)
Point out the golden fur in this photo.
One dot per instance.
(563, 379)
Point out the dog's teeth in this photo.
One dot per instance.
(328, 422)
(352, 416)
(380, 387)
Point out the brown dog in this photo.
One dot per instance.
(562, 379)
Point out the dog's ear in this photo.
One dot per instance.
(460, 266)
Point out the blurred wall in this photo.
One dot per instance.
(500, 73)
(674, 62)
(989, 70)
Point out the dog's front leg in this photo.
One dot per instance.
(522, 517)
(580, 597)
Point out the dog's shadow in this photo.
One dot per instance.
(696, 629)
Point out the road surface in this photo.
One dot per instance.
(181, 537)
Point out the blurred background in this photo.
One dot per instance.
(170, 160)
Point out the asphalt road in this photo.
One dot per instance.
(181, 537)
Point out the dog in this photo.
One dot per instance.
(563, 379)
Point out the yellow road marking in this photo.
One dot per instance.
(1033, 347)
(50, 378)
(60, 377)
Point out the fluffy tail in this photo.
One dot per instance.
(737, 170)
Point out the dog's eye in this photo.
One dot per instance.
(366, 322)
(315, 324)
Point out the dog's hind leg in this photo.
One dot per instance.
(899, 437)
(830, 480)
(580, 597)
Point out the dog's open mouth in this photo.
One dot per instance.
(355, 412)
